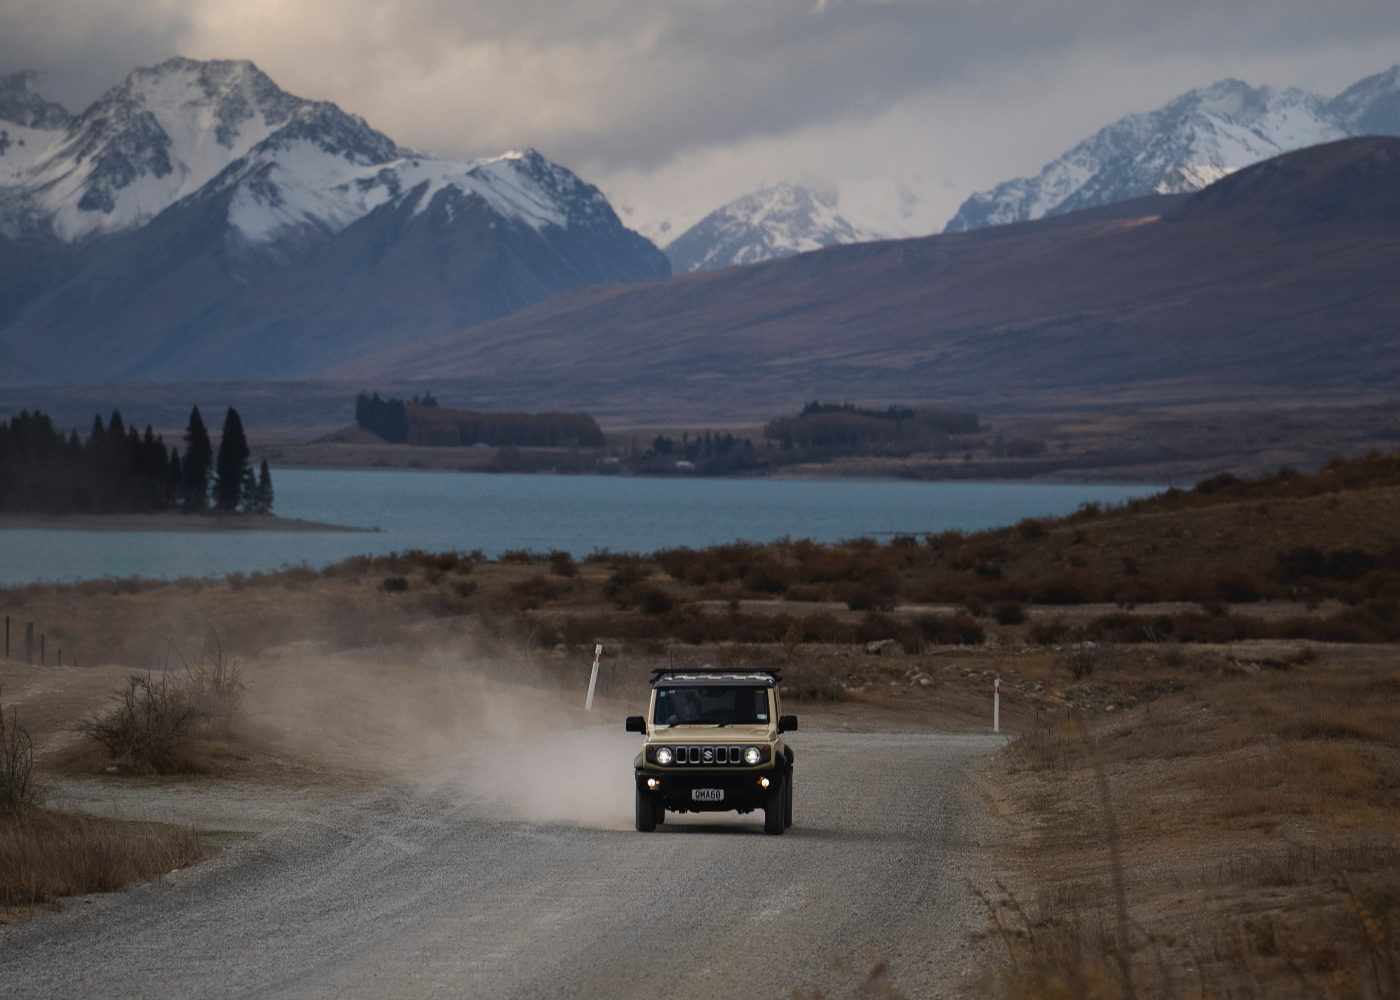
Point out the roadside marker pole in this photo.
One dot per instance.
(593, 681)
(996, 706)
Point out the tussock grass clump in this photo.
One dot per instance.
(45, 855)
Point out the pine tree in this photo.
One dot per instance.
(174, 478)
(233, 473)
(262, 493)
(199, 454)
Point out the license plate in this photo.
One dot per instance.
(707, 794)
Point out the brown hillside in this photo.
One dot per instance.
(1275, 283)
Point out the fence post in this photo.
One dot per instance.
(996, 706)
(29, 642)
(41, 649)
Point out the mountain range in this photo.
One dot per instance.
(1189, 143)
(778, 220)
(199, 222)
(1276, 282)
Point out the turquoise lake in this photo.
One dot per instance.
(441, 511)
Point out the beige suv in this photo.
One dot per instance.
(714, 743)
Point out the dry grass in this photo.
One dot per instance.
(46, 855)
(1254, 822)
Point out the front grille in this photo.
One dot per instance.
(708, 755)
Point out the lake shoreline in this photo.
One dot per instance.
(172, 522)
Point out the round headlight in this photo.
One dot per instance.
(751, 755)
(664, 755)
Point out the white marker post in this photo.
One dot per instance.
(996, 704)
(593, 681)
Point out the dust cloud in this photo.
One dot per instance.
(498, 732)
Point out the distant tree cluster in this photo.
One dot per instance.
(424, 422)
(846, 427)
(950, 421)
(118, 470)
(386, 418)
(698, 448)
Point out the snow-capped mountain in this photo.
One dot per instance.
(779, 220)
(252, 184)
(1186, 145)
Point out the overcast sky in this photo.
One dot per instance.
(676, 106)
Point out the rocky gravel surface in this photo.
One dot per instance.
(513, 872)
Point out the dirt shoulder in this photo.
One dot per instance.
(1226, 825)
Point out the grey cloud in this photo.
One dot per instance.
(730, 70)
(634, 83)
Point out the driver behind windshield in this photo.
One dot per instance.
(722, 706)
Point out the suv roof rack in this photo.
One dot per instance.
(660, 672)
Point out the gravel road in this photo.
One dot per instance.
(456, 886)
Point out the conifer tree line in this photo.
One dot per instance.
(120, 470)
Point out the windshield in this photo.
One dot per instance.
(725, 706)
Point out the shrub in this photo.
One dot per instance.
(1081, 663)
(1032, 528)
(517, 557)
(1048, 633)
(562, 563)
(1063, 590)
(655, 601)
(768, 578)
(536, 591)
(1009, 612)
(627, 572)
(17, 785)
(958, 629)
(394, 585)
(1236, 587)
(153, 719)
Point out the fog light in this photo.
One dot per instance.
(763, 782)
(652, 782)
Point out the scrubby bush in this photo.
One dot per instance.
(957, 629)
(1009, 612)
(154, 717)
(1081, 663)
(17, 785)
(538, 589)
(1049, 632)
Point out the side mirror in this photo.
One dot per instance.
(787, 723)
(636, 724)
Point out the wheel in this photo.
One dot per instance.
(787, 800)
(773, 808)
(659, 811)
(646, 813)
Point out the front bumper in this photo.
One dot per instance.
(744, 789)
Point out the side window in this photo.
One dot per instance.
(760, 704)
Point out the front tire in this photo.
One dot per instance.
(773, 809)
(787, 801)
(646, 813)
